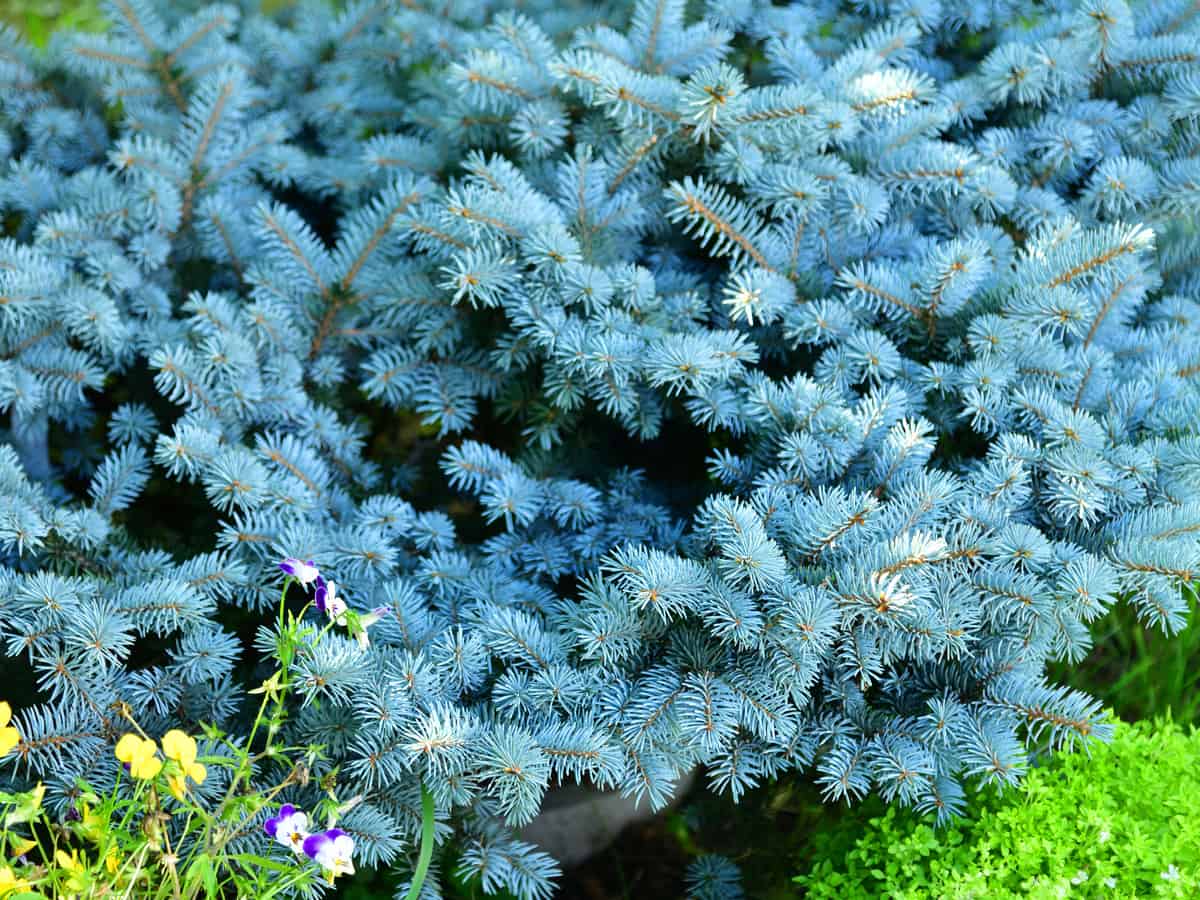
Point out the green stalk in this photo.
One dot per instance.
(426, 844)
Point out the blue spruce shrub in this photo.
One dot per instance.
(918, 281)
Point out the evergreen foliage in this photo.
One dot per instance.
(921, 281)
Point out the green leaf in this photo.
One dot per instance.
(263, 862)
(202, 868)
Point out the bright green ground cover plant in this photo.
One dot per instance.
(1124, 823)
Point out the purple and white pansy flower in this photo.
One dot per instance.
(333, 850)
(304, 572)
(329, 602)
(289, 828)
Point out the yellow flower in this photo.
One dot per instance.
(10, 883)
(146, 765)
(112, 862)
(75, 867)
(182, 748)
(141, 754)
(127, 746)
(9, 736)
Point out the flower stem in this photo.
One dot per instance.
(427, 822)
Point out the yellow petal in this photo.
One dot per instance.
(176, 785)
(5, 713)
(19, 847)
(70, 863)
(9, 738)
(10, 882)
(197, 772)
(127, 746)
(145, 748)
(180, 747)
(145, 763)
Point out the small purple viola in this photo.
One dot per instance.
(333, 850)
(271, 826)
(326, 600)
(289, 828)
(304, 572)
